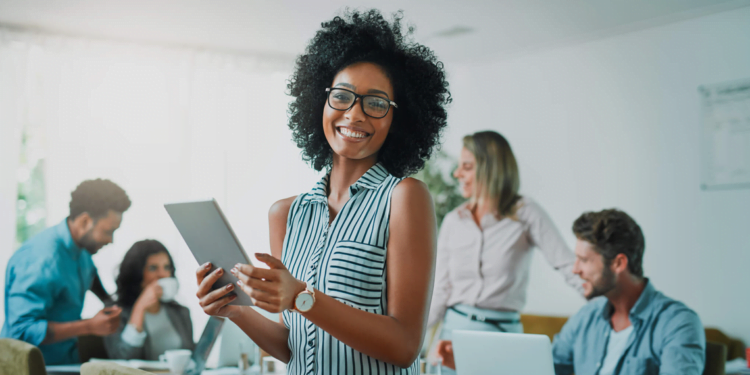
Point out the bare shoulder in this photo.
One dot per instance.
(280, 209)
(277, 216)
(409, 194)
(411, 187)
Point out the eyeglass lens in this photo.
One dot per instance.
(372, 105)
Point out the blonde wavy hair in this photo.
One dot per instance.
(497, 178)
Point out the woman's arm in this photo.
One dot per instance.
(394, 338)
(545, 235)
(127, 347)
(269, 335)
(442, 289)
(148, 298)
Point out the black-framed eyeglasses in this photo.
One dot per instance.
(372, 105)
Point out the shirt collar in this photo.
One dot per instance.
(371, 180)
(639, 309)
(464, 212)
(63, 234)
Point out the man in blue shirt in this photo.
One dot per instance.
(47, 278)
(631, 328)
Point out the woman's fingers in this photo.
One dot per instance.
(217, 294)
(256, 273)
(205, 286)
(270, 261)
(266, 286)
(200, 273)
(259, 295)
(214, 307)
(263, 296)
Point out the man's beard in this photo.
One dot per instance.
(605, 285)
(88, 243)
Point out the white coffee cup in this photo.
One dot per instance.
(177, 360)
(169, 287)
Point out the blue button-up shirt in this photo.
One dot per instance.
(667, 338)
(46, 281)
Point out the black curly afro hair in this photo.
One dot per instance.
(418, 80)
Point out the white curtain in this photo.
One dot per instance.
(165, 123)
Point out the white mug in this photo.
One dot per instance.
(177, 360)
(169, 287)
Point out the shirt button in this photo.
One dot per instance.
(599, 364)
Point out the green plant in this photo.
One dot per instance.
(30, 204)
(436, 174)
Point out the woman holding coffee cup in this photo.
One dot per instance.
(151, 321)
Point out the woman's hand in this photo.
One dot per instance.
(149, 296)
(215, 302)
(273, 290)
(445, 352)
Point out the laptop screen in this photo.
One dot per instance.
(204, 345)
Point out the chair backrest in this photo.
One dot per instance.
(91, 346)
(716, 358)
(735, 347)
(18, 357)
(108, 368)
(543, 325)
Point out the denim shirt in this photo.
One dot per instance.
(45, 281)
(667, 338)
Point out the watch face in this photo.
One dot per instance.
(304, 302)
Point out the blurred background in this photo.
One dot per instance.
(182, 100)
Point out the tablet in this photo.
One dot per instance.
(210, 238)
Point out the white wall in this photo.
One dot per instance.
(616, 123)
(166, 124)
(10, 141)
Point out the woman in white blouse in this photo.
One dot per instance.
(484, 256)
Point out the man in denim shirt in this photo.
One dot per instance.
(633, 329)
(47, 278)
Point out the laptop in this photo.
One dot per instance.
(478, 353)
(204, 345)
(234, 342)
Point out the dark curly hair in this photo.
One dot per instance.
(97, 197)
(613, 232)
(418, 80)
(131, 270)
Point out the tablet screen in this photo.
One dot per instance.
(210, 238)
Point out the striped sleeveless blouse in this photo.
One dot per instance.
(346, 261)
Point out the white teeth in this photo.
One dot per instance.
(352, 133)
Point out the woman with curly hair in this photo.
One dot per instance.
(369, 108)
(150, 322)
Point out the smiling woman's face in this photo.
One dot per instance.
(352, 134)
(466, 172)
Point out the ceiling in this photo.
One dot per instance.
(469, 30)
